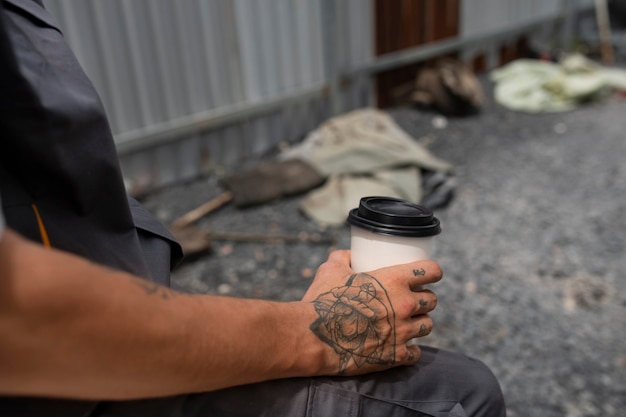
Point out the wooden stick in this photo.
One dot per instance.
(604, 29)
(202, 210)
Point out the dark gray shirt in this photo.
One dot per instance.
(60, 179)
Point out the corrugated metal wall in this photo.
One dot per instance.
(195, 85)
(492, 16)
(485, 15)
(173, 76)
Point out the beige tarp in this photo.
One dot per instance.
(362, 153)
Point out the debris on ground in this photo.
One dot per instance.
(538, 86)
(448, 86)
(363, 153)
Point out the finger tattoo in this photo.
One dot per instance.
(419, 272)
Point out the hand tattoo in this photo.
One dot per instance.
(357, 321)
(419, 272)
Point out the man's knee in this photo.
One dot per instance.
(474, 384)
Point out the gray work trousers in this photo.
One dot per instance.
(441, 384)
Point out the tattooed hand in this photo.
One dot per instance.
(368, 318)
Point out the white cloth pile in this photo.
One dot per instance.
(537, 86)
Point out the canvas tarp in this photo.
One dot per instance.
(364, 153)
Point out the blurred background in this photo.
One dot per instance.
(192, 86)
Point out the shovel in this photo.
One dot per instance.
(258, 185)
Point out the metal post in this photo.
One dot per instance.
(329, 45)
(568, 11)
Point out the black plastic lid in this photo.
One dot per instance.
(394, 217)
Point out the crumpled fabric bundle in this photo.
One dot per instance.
(365, 153)
(536, 86)
(449, 86)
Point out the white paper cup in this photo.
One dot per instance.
(388, 231)
(371, 251)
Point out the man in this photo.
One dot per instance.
(87, 327)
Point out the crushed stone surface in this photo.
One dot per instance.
(532, 249)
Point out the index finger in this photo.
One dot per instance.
(417, 273)
(424, 272)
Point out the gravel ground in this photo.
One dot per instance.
(531, 249)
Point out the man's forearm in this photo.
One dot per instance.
(100, 334)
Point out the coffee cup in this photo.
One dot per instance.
(388, 231)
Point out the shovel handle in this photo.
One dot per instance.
(201, 211)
